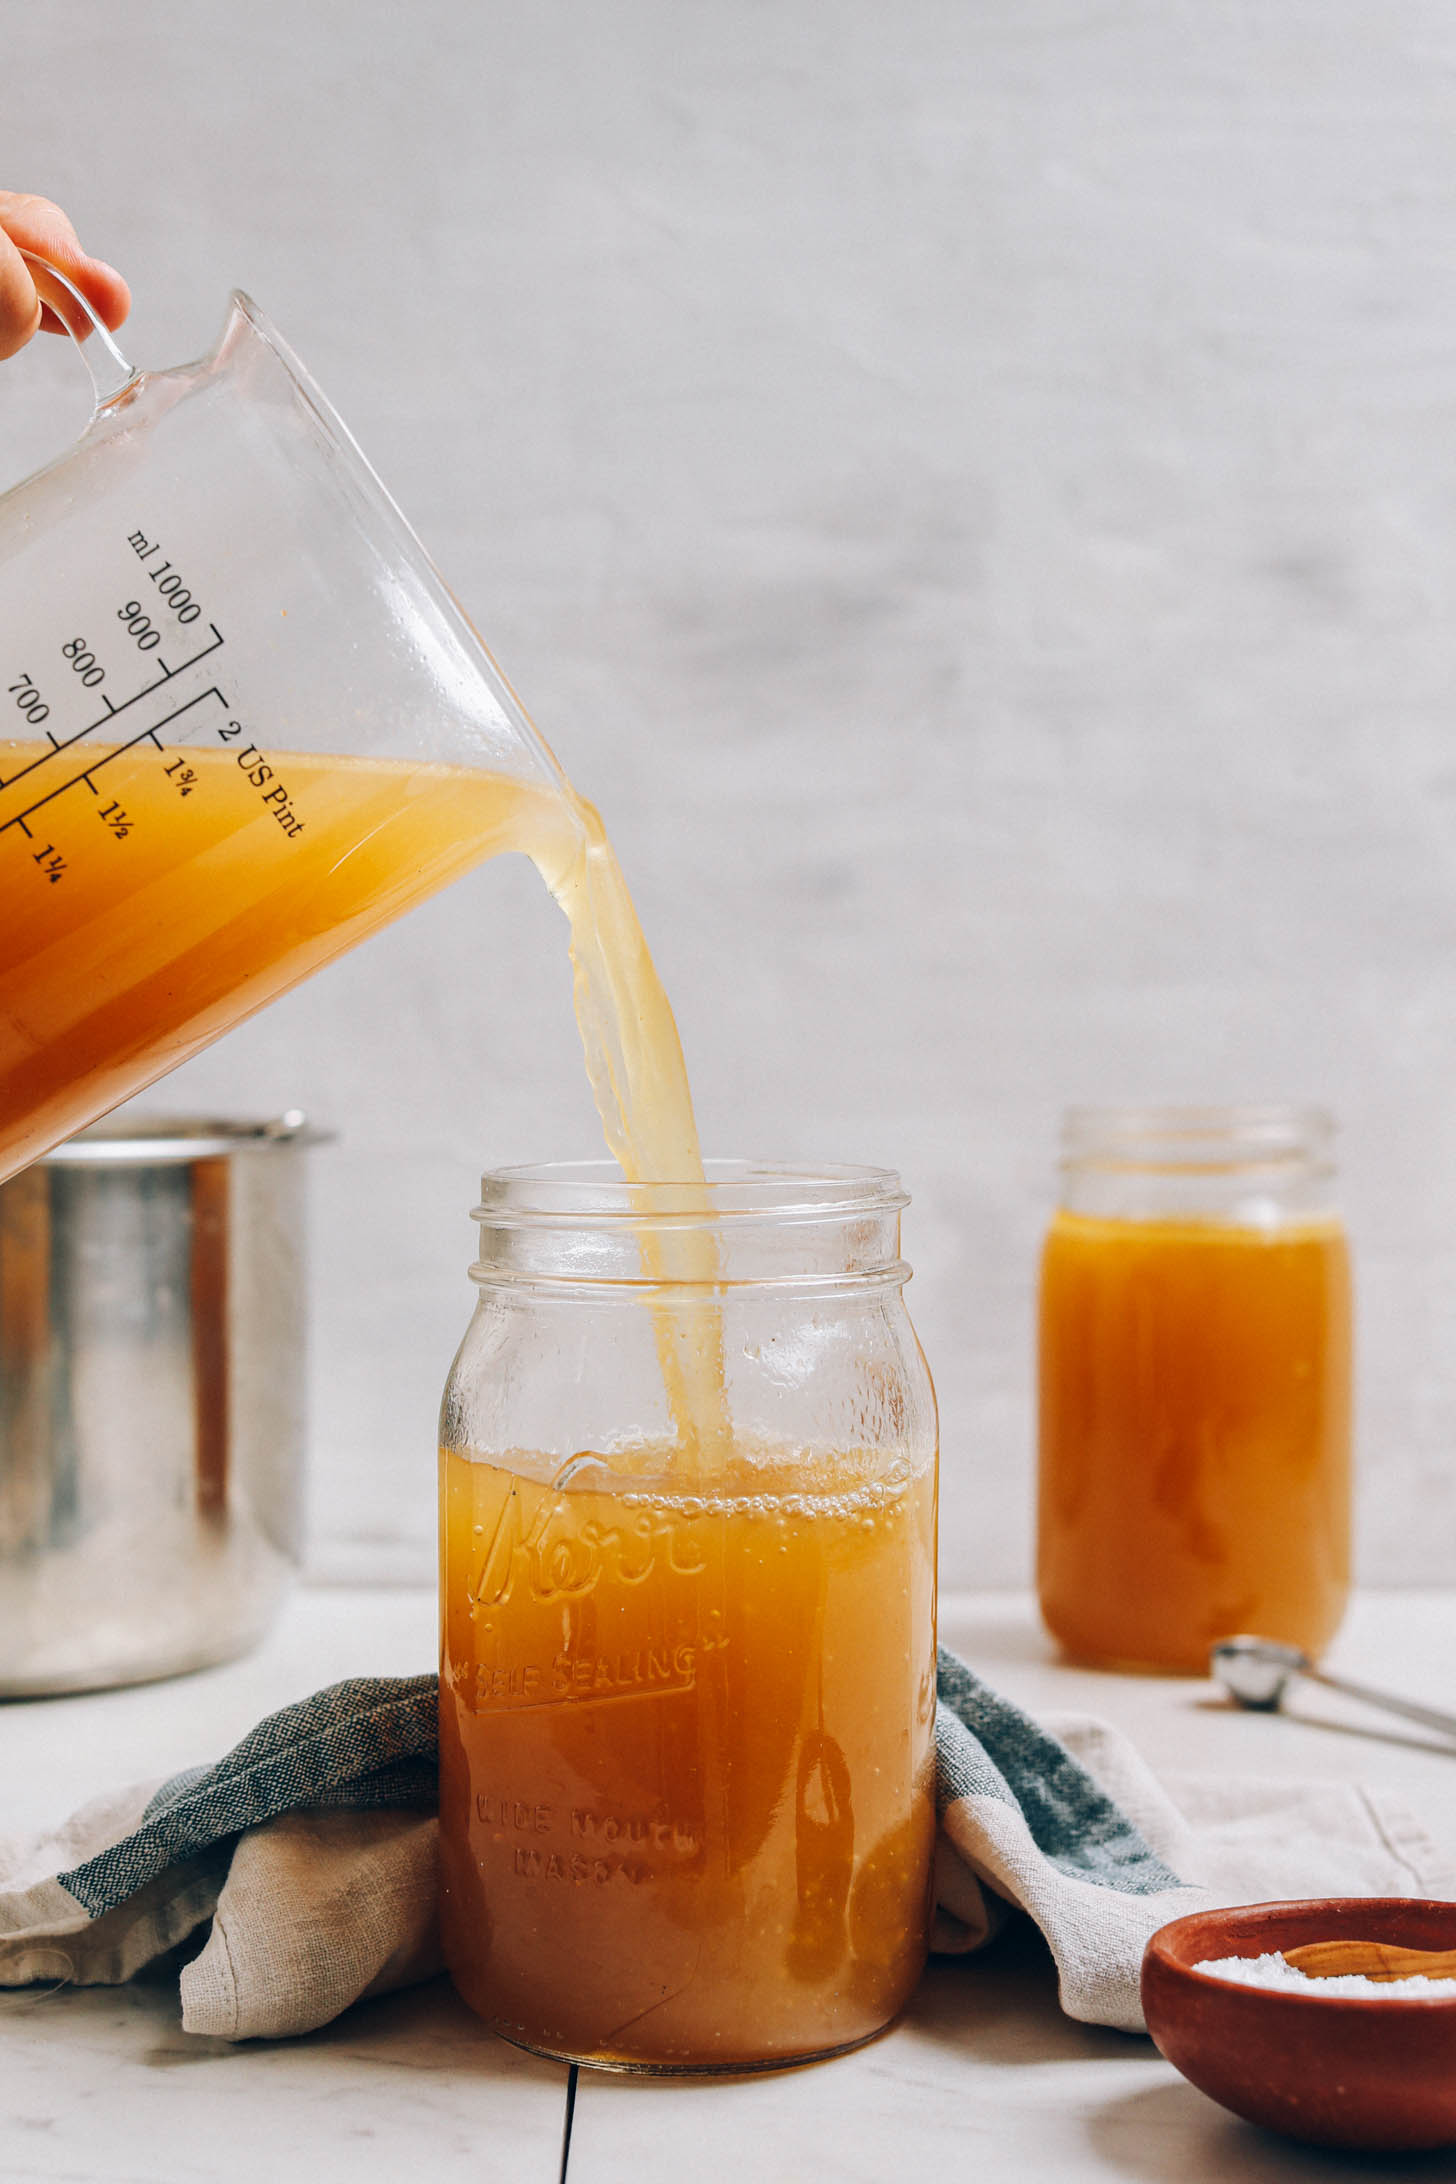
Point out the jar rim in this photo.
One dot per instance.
(1263, 1134)
(596, 1194)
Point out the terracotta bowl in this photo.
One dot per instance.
(1336, 2071)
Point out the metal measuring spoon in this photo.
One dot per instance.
(1256, 1672)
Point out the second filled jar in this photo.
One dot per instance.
(1194, 1386)
(688, 1472)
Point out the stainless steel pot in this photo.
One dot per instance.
(151, 1398)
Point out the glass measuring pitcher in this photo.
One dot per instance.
(243, 723)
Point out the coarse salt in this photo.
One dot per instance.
(1275, 1972)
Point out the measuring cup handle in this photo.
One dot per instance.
(111, 375)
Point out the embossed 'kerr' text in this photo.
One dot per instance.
(553, 1559)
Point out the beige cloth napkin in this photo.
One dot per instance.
(308, 1856)
(1229, 1839)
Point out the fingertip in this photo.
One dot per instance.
(14, 335)
(20, 308)
(37, 225)
(108, 293)
(104, 290)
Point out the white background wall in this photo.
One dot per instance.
(969, 487)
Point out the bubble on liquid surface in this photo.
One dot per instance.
(870, 1504)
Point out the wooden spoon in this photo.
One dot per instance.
(1370, 1960)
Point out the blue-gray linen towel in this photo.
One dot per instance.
(308, 1856)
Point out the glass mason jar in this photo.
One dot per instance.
(687, 1692)
(1194, 1428)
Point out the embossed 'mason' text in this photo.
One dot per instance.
(553, 1865)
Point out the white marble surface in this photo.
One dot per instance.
(983, 2077)
(103, 2087)
(968, 489)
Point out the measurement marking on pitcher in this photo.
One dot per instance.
(113, 711)
(152, 735)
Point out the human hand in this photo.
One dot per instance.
(34, 223)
